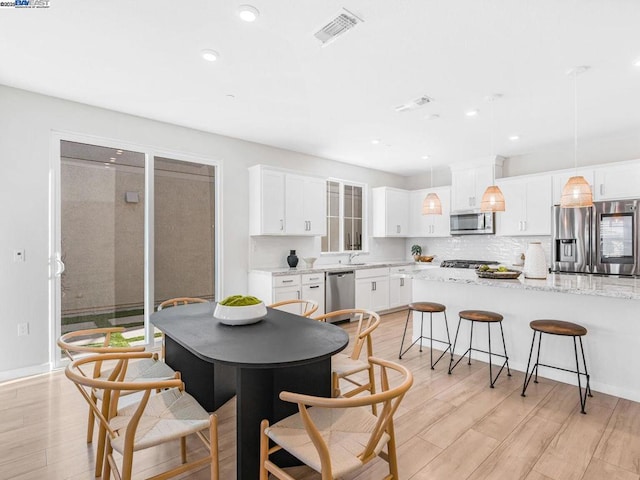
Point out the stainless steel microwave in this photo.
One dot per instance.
(472, 223)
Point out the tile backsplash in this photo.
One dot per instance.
(505, 250)
(271, 252)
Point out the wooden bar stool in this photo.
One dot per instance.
(430, 308)
(487, 317)
(566, 329)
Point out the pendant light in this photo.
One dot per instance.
(493, 199)
(431, 204)
(577, 192)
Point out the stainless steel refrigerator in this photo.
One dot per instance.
(602, 239)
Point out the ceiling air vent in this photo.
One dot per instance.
(336, 27)
(413, 104)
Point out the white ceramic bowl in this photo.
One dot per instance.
(240, 315)
(309, 261)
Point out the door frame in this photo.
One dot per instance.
(55, 239)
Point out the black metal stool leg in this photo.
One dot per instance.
(538, 357)
(527, 377)
(586, 372)
(504, 345)
(421, 327)
(583, 398)
(405, 333)
(446, 326)
(491, 380)
(470, 342)
(455, 340)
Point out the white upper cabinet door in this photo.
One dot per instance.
(510, 221)
(538, 206)
(294, 205)
(463, 189)
(419, 225)
(527, 206)
(266, 213)
(390, 212)
(315, 205)
(613, 183)
(441, 226)
(560, 180)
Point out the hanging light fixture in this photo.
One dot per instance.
(577, 192)
(431, 204)
(493, 199)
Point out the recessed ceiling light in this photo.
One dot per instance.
(375, 141)
(210, 55)
(472, 113)
(425, 157)
(248, 13)
(514, 138)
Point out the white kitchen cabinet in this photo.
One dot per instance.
(527, 206)
(561, 179)
(285, 203)
(400, 290)
(372, 289)
(617, 182)
(429, 225)
(468, 183)
(305, 205)
(390, 212)
(313, 289)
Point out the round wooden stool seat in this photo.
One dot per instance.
(558, 327)
(427, 307)
(480, 316)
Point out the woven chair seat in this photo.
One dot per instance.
(345, 431)
(345, 365)
(144, 370)
(169, 415)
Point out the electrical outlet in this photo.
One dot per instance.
(23, 329)
(18, 255)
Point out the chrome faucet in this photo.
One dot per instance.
(353, 255)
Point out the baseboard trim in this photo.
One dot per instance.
(24, 372)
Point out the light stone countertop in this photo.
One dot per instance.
(335, 267)
(578, 284)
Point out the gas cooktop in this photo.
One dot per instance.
(466, 263)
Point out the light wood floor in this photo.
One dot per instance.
(449, 427)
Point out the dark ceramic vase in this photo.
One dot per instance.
(292, 259)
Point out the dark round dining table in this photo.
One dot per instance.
(281, 351)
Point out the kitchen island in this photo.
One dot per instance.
(608, 307)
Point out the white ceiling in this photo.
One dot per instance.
(143, 57)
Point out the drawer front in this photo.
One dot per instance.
(372, 272)
(308, 278)
(286, 281)
(401, 269)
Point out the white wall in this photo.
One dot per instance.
(26, 124)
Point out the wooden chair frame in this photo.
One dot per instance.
(309, 307)
(116, 385)
(174, 302)
(368, 321)
(390, 399)
(69, 348)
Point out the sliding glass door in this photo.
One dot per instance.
(130, 229)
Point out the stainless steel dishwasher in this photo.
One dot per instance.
(340, 292)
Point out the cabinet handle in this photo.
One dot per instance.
(314, 278)
(402, 282)
(602, 189)
(281, 224)
(309, 225)
(287, 281)
(298, 294)
(314, 286)
(524, 225)
(373, 286)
